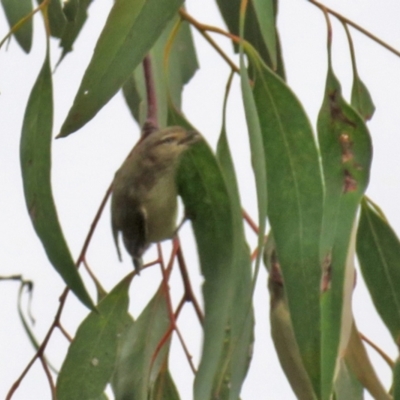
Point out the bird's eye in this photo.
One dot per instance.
(168, 140)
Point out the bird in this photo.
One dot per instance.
(144, 192)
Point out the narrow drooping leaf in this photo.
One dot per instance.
(378, 250)
(91, 357)
(257, 151)
(168, 81)
(56, 16)
(73, 28)
(294, 205)
(140, 360)
(270, 52)
(239, 336)
(71, 8)
(207, 203)
(346, 154)
(264, 10)
(396, 380)
(360, 97)
(131, 30)
(35, 155)
(282, 329)
(347, 385)
(359, 364)
(15, 10)
(164, 387)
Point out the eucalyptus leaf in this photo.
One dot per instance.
(295, 201)
(140, 360)
(35, 156)
(207, 204)
(378, 250)
(346, 154)
(91, 357)
(131, 30)
(15, 10)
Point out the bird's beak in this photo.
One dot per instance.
(190, 138)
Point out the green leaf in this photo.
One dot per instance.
(131, 30)
(346, 153)
(164, 387)
(35, 156)
(378, 250)
(239, 334)
(91, 356)
(56, 17)
(207, 203)
(295, 201)
(15, 10)
(396, 381)
(256, 150)
(347, 385)
(256, 27)
(360, 98)
(71, 8)
(139, 361)
(182, 66)
(282, 328)
(264, 10)
(73, 28)
(360, 366)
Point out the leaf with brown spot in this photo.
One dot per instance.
(346, 154)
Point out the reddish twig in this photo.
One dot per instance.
(49, 378)
(189, 294)
(250, 222)
(151, 123)
(202, 29)
(64, 332)
(63, 297)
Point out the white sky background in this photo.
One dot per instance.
(85, 162)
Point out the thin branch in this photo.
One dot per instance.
(49, 378)
(250, 222)
(356, 26)
(202, 30)
(93, 226)
(388, 360)
(151, 123)
(97, 283)
(64, 332)
(186, 350)
(63, 297)
(189, 294)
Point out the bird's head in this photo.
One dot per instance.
(166, 145)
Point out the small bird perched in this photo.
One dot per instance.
(144, 193)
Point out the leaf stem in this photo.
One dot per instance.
(388, 360)
(250, 222)
(202, 29)
(151, 123)
(22, 21)
(356, 26)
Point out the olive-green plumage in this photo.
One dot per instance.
(144, 199)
